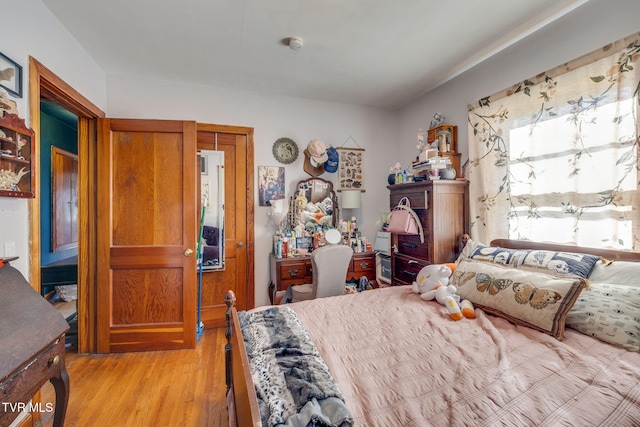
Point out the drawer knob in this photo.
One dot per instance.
(364, 265)
(53, 361)
(293, 272)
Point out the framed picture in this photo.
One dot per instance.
(10, 76)
(304, 242)
(351, 169)
(270, 183)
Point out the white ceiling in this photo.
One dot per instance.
(380, 53)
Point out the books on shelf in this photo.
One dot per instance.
(431, 164)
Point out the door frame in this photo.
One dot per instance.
(43, 83)
(213, 313)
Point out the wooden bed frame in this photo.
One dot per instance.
(243, 402)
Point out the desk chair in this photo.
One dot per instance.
(329, 265)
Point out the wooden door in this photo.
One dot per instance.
(146, 270)
(238, 275)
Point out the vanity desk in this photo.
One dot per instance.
(312, 210)
(285, 272)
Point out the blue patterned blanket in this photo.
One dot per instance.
(293, 383)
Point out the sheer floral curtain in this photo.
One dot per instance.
(555, 157)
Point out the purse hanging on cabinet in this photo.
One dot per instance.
(404, 220)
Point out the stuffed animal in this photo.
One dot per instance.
(301, 200)
(432, 282)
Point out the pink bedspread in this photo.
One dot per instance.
(401, 361)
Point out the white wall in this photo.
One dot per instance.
(387, 137)
(29, 29)
(272, 117)
(589, 27)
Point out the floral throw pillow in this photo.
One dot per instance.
(558, 263)
(532, 299)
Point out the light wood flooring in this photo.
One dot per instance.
(157, 388)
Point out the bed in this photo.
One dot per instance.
(400, 361)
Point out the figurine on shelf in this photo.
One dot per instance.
(438, 119)
(421, 141)
(21, 143)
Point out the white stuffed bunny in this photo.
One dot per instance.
(432, 282)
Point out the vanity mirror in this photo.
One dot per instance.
(314, 204)
(212, 208)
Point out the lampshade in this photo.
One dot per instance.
(351, 199)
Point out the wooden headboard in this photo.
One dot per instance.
(610, 254)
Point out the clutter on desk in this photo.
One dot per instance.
(312, 213)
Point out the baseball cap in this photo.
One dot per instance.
(310, 166)
(317, 151)
(331, 165)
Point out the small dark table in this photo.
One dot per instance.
(31, 348)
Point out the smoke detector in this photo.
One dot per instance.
(295, 43)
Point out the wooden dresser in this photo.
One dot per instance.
(443, 208)
(297, 271)
(31, 349)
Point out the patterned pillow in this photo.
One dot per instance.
(468, 248)
(610, 313)
(558, 263)
(532, 299)
(616, 272)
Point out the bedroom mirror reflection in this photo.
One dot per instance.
(211, 209)
(315, 204)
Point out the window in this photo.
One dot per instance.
(555, 158)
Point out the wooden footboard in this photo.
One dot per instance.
(241, 392)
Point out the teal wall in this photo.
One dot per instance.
(52, 133)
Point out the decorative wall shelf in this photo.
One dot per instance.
(16, 168)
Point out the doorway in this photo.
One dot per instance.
(45, 86)
(58, 182)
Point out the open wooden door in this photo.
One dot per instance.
(146, 243)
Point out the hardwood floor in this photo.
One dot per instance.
(154, 388)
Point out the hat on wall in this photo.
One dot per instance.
(331, 165)
(312, 167)
(317, 151)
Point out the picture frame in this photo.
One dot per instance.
(351, 169)
(304, 242)
(270, 184)
(10, 76)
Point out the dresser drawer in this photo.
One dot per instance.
(295, 270)
(363, 264)
(418, 198)
(26, 382)
(410, 245)
(406, 270)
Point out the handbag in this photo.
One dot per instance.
(403, 220)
